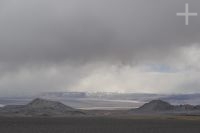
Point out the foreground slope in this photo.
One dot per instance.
(96, 125)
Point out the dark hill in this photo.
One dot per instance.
(44, 104)
(159, 106)
(156, 105)
(41, 107)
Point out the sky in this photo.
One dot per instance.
(134, 46)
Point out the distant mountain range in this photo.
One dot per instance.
(104, 100)
(48, 108)
(144, 97)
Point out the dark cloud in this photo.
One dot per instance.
(43, 33)
(54, 31)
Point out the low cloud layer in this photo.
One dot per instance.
(101, 45)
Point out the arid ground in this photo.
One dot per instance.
(100, 125)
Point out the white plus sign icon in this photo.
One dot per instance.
(187, 14)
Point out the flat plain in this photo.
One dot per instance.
(99, 125)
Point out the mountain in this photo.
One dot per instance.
(162, 107)
(100, 95)
(140, 97)
(44, 104)
(100, 100)
(40, 107)
(156, 105)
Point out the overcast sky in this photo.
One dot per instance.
(98, 45)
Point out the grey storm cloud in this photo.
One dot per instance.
(39, 33)
(56, 31)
